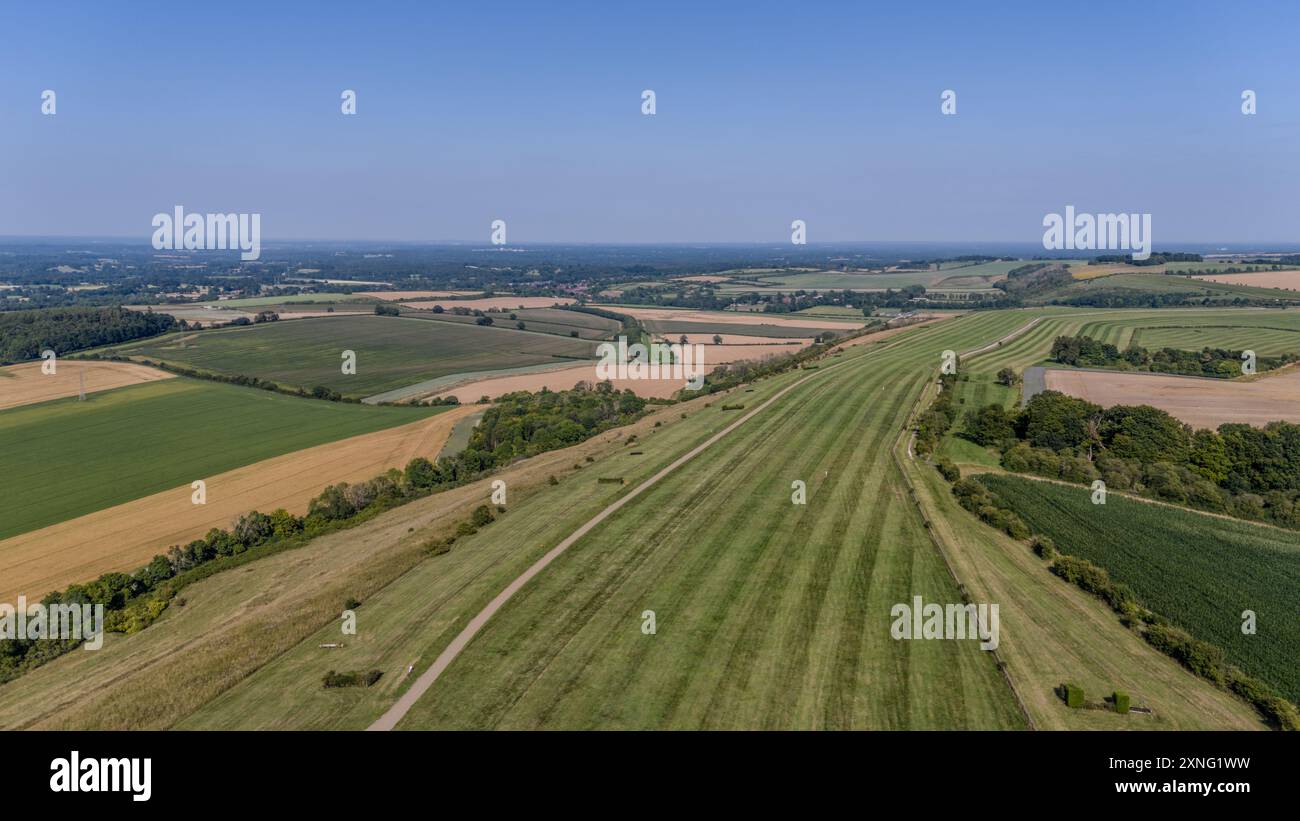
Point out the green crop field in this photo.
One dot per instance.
(964, 276)
(391, 352)
(302, 301)
(66, 458)
(1198, 571)
(539, 320)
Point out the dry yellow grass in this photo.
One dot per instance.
(1201, 403)
(127, 536)
(25, 384)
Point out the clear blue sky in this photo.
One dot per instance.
(767, 112)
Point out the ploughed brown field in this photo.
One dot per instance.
(1201, 403)
(24, 384)
(127, 536)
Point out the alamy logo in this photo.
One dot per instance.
(129, 775)
(659, 361)
(1100, 232)
(953, 621)
(53, 622)
(208, 232)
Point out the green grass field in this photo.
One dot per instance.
(966, 276)
(1263, 341)
(66, 458)
(1198, 571)
(538, 320)
(391, 352)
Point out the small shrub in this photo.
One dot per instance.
(1043, 547)
(1120, 702)
(437, 547)
(1073, 695)
(551, 480)
(351, 603)
(482, 516)
(356, 678)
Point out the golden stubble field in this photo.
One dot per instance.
(1201, 403)
(25, 384)
(127, 536)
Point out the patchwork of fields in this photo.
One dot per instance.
(68, 458)
(788, 627)
(126, 536)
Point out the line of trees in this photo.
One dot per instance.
(1084, 351)
(1241, 470)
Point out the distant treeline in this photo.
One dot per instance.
(1084, 351)
(1243, 471)
(519, 425)
(1154, 259)
(24, 334)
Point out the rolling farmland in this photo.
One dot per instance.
(1198, 571)
(67, 458)
(759, 635)
(391, 352)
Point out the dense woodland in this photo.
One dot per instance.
(1241, 470)
(25, 334)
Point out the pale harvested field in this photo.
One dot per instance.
(494, 302)
(1201, 403)
(559, 380)
(565, 378)
(24, 384)
(737, 339)
(703, 278)
(734, 318)
(392, 295)
(1290, 280)
(127, 536)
